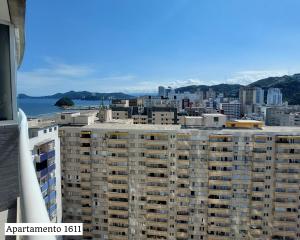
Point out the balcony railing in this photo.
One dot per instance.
(33, 208)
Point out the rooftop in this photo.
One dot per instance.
(283, 130)
(192, 117)
(40, 123)
(118, 126)
(213, 114)
(246, 121)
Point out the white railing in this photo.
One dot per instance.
(33, 208)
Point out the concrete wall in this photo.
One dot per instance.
(9, 166)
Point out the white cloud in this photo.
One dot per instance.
(56, 76)
(151, 86)
(61, 77)
(186, 82)
(241, 77)
(58, 68)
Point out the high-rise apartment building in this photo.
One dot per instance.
(161, 91)
(282, 115)
(120, 103)
(210, 94)
(274, 96)
(156, 101)
(232, 109)
(45, 149)
(250, 97)
(146, 115)
(129, 181)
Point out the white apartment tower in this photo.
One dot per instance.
(274, 96)
(44, 145)
(161, 91)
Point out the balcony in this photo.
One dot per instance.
(156, 161)
(181, 161)
(42, 172)
(51, 154)
(255, 232)
(221, 153)
(44, 187)
(284, 234)
(43, 157)
(52, 209)
(32, 204)
(182, 235)
(158, 233)
(221, 144)
(157, 170)
(117, 141)
(51, 168)
(148, 142)
(156, 206)
(157, 215)
(157, 224)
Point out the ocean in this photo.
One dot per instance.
(37, 107)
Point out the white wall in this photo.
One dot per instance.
(4, 13)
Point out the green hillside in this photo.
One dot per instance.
(84, 95)
(289, 85)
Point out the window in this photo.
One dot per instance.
(216, 119)
(6, 106)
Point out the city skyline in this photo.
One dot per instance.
(134, 47)
(210, 163)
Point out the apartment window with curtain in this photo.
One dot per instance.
(6, 107)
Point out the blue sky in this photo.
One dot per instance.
(136, 45)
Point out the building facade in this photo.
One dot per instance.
(211, 94)
(45, 149)
(282, 115)
(250, 97)
(161, 91)
(232, 109)
(294, 119)
(162, 182)
(274, 96)
(146, 115)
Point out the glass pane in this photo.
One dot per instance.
(6, 111)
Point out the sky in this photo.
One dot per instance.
(133, 46)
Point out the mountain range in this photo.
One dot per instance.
(83, 95)
(289, 85)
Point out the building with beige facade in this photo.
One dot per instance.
(144, 115)
(132, 181)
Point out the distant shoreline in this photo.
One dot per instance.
(29, 97)
(43, 107)
(83, 95)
